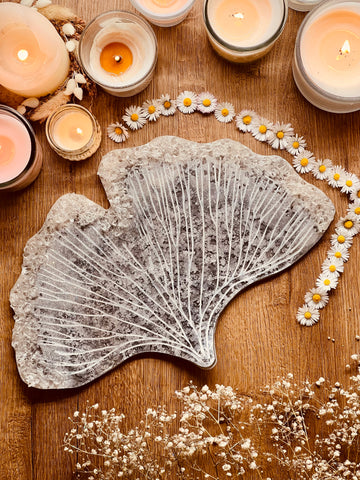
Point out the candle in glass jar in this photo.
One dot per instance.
(327, 56)
(164, 13)
(244, 30)
(33, 58)
(303, 5)
(118, 51)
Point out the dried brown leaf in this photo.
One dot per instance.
(48, 107)
(57, 13)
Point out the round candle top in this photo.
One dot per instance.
(15, 147)
(245, 23)
(330, 50)
(72, 130)
(163, 7)
(122, 53)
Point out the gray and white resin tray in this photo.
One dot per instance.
(189, 226)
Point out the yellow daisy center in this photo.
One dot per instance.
(336, 176)
(280, 135)
(357, 210)
(134, 117)
(332, 268)
(341, 239)
(167, 104)
(316, 298)
(187, 102)
(224, 112)
(262, 129)
(338, 254)
(358, 194)
(304, 162)
(348, 224)
(118, 130)
(322, 169)
(296, 144)
(247, 119)
(327, 282)
(307, 315)
(151, 109)
(206, 102)
(348, 183)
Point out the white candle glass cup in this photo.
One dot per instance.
(33, 166)
(246, 54)
(303, 5)
(316, 95)
(74, 154)
(114, 26)
(164, 19)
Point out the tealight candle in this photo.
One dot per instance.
(33, 58)
(326, 63)
(244, 30)
(118, 51)
(303, 5)
(20, 152)
(164, 13)
(73, 132)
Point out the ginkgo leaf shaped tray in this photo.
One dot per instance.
(189, 226)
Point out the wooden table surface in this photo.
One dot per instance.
(257, 337)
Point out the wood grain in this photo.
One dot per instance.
(257, 337)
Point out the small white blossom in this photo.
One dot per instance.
(280, 135)
(206, 102)
(261, 129)
(134, 117)
(317, 298)
(296, 145)
(68, 29)
(224, 112)
(320, 168)
(117, 132)
(304, 162)
(245, 120)
(187, 102)
(307, 315)
(167, 105)
(151, 109)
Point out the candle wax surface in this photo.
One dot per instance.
(160, 7)
(15, 147)
(116, 58)
(330, 51)
(241, 22)
(73, 130)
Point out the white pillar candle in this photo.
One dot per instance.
(33, 57)
(164, 13)
(118, 51)
(326, 64)
(244, 30)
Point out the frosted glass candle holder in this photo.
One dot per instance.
(164, 13)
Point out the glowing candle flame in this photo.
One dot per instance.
(238, 15)
(22, 55)
(79, 131)
(345, 48)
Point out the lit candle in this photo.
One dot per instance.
(73, 132)
(244, 30)
(118, 51)
(33, 58)
(20, 153)
(327, 56)
(164, 13)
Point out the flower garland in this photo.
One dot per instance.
(278, 136)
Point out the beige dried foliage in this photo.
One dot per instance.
(47, 108)
(57, 13)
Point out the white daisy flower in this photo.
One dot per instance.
(335, 176)
(320, 168)
(134, 117)
(354, 208)
(261, 129)
(348, 225)
(296, 145)
(355, 193)
(327, 281)
(245, 119)
(151, 109)
(224, 112)
(307, 315)
(304, 162)
(339, 251)
(333, 265)
(187, 102)
(343, 239)
(117, 132)
(280, 135)
(348, 183)
(317, 298)
(167, 106)
(206, 102)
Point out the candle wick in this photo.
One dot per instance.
(238, 15)
(118, 58)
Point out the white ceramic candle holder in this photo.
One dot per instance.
(133, 34)
(262, 37)
(164, 13)
(325, 70)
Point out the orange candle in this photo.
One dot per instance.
(33, 58)
(116, 58)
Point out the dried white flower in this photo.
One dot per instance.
(21, 109)
(79, 78)
(70, 45)
(78, 92)
(31, 102)
(68, 29)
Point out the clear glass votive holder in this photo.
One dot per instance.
(320, 92)
(303, 5)
(164, 15)
(73, 132)
(18, 133)
(135, 35)
(249, 53)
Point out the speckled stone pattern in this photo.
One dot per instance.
(189, 226)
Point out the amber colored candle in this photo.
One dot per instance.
(116, 58)
(73, 130)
